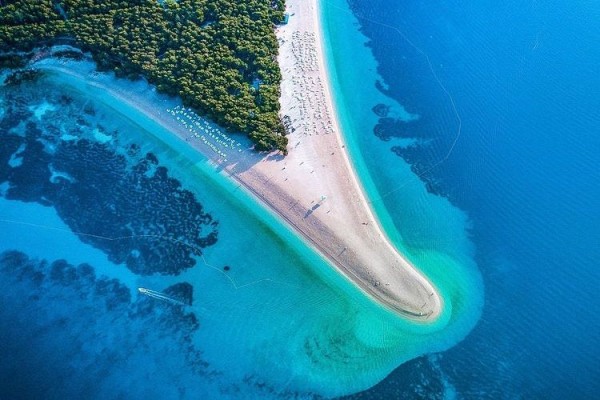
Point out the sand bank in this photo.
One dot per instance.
(343, 226)
(314, 189)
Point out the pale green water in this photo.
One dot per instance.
(334, 339)
(281, 316)
(425, 227)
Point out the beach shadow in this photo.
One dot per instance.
(312, 210)
(249, 158)
(275, 157)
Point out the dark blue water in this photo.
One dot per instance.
(96, 202)
(507, 98)
(509, 130)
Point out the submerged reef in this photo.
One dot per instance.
(94, 323)
(120, 200)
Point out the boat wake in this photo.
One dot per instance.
(161, 296)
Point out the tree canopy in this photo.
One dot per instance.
(209, 52)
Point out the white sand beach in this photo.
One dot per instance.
(343, 227)
(314, 188)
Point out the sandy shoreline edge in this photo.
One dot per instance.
(314, 189)
(304, 72)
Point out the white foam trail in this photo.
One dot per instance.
(160, 296)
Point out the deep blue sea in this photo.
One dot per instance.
(495, 106)
(98, 201)
(475, 129)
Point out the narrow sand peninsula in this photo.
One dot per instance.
(342, 226)
(314, 189)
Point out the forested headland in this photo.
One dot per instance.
(219, 56)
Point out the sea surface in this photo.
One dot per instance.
(493, 106)
(474, 131)
(98, 201)
(131, 267)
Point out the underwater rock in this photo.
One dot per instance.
(183, 292)
(388, 128)
(121, 202)
(381, 110)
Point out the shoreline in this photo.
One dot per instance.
(314, 189)
(310, 12)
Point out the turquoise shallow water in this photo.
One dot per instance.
(478, 149)
(98, 200)
(493, 106)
